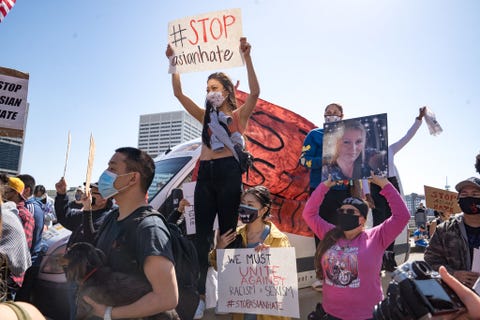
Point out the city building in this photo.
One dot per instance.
(158, 132)
(10, 155)
(413, 200)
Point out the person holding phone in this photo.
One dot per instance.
(469, 298)
(257, 232)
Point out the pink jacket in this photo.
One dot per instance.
(352, 284)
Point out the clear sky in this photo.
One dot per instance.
(96, 66)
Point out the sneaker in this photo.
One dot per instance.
(317, 285)
(200, 310)
(219, 313)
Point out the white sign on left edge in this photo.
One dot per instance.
(13, 102)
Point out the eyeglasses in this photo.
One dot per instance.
(346, 211)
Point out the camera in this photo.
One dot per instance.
(418, 292)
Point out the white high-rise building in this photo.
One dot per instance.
(159, 132)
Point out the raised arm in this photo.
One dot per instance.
(310, 211)
(247, 109)
(394, 225)
(191, 107)
(395, 147)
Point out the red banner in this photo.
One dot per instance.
(275, 138)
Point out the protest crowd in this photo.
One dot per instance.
(128, 260)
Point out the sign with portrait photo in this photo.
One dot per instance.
(353, 148)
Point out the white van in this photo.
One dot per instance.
(177, 166)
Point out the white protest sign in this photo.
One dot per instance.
(207, 41)
(258, 282)
(188, 189)
(13, 102)
(476, 260)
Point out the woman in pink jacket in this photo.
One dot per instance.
(349, 257)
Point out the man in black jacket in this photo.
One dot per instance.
(82, 222)
(74, 219)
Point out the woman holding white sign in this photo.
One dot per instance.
(257, 232)
(219, 182)
(349, 258)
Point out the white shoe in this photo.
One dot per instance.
(219, 312)
(317, 285)
(200, 310)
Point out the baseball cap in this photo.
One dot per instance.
(92, 185)
(17, 185)
(472, 181)
(357, 203)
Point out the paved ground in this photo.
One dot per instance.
(309, 297)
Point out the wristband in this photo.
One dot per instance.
(172, 67)
(419, 118)
(108, 313)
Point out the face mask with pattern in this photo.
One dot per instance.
(469, 205)
(215, 98)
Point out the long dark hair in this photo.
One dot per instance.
(330, 238)
(231, 101)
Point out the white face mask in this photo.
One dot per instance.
(329, 119)
(215, 98)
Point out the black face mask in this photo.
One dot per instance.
(469, 205)
(347, 221)
(93, 200)
(247, 214)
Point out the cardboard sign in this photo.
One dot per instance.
(258, 282)
(91, 157)
(13, 102)
(441, 200)
(353, 148)
(67, 153)
(207, 41)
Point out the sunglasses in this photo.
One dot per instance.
(346, 211)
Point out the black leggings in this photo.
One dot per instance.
(218, 190)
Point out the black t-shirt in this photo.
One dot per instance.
(473, 236)
(127, 243)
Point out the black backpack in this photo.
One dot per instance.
(187, 268)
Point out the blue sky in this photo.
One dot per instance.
(96, 66)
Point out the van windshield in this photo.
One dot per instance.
(165, 170)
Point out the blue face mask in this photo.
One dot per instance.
(106, 184)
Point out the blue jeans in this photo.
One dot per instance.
(72, 299)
